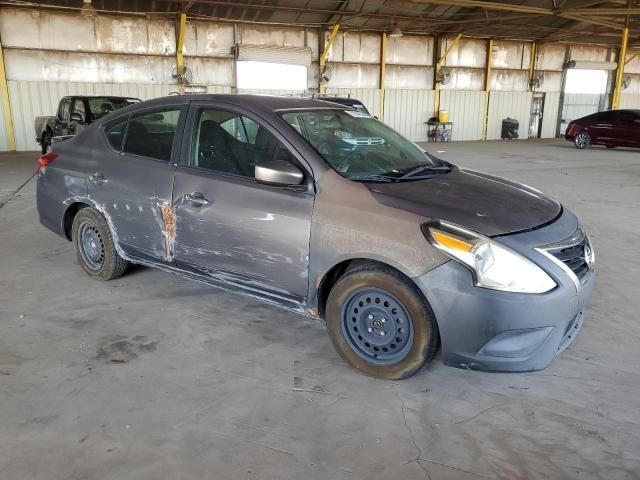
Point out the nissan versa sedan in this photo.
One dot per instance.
(323, 210)
(613, 128)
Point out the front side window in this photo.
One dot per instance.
(231, 143)
(361, 148)
(151, 134)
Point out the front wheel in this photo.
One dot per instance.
(95, 248)
(380, 323)
(582, 140)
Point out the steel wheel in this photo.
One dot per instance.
(377, 326)
(582, 140)
(91, 245)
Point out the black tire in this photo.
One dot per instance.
(45, 143)
(611, 146)
(102, 262)
(582, 140)
(419, 347)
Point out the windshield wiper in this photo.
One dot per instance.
(372, 178)
(426, 168)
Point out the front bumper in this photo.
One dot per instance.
(504, 331)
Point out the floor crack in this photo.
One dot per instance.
(17, 191)
(418, 455)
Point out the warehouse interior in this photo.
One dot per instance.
(154, 376)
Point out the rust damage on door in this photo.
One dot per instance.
(169, 229)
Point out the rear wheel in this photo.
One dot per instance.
(95, 249)
(380, 323)
(582, 140)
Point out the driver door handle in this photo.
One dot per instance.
(196, 199)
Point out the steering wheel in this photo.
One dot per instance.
(343, 166)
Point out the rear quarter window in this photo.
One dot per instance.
(151, 134)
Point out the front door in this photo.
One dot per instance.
(132, 184)
(229, 226)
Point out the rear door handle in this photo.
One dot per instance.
(196, 199)
(98, 178)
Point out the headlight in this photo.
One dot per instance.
(493, 265)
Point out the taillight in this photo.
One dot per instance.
(46, 159)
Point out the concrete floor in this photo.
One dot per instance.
(154, 377)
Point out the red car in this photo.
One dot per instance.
(612, 128)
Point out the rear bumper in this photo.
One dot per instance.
(503, 331)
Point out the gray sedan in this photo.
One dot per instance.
(323, 210)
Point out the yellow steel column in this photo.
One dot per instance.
(6, 104)
(617, 92)
(532, 65)
(383, 65)
(181, 25)
(325, 54)
(441, 60)
(487, 86)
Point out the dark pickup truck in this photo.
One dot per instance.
(75, 113)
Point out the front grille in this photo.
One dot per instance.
(574, 258)
(575, 253)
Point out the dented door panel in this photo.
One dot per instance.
(246, 233)
(135, 193)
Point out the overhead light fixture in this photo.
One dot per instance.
(87, 9)
(395, 33)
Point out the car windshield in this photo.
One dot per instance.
(361, 148)
(101, 106)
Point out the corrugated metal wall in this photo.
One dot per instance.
(465, 111)
(503, 105)
(136, 57)
(4, 141)
(630, 100)
(33, 99)
(550, 114)
(578, 105)
(408, 110)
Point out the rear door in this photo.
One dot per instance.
(134, 179)
(229, 226)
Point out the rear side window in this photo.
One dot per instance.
(115, 133)
(151, 134)
(625, 116)
(607, 116)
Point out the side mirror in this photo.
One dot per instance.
(278, 172)
(77, 118)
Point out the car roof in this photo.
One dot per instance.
(342, 100)
(254, 101)
(100, 96)
(265, 105)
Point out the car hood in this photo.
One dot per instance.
(486, 204)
